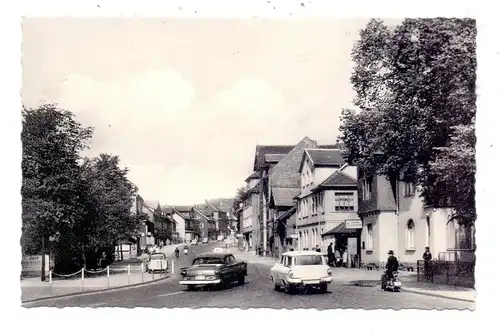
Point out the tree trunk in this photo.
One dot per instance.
(84, 257)
(43, 260)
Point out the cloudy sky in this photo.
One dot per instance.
(184, 102)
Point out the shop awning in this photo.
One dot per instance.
(340, 229)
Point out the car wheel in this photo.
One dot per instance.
(241, 280)
(289, 288)
(323, 288)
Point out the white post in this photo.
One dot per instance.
(83, 279)
(50, 281)
(107, 274)
(173, 267)
(142, 271)
(128, 273)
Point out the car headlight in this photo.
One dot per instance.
(290, 275)
(184, 272)
(329, 272)
(216, 272)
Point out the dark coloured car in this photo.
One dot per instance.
(213, 269)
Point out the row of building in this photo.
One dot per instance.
(211, 220)
(306, 195)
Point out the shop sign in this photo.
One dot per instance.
(353, 224)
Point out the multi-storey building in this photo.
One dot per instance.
(396, 218)
(327, 203)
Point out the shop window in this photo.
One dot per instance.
(410, 235)
(344, 201)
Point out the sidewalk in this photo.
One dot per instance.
(362, 277)
(34, 288)
(369, 278)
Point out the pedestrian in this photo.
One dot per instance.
(344, 258)
(338, 258)
(318, 249)
(329, 252)
(427, 256)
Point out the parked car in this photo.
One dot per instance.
(299, 269)
(194, 242)
(213, 269)
(157, 262)
(219, 250)
(204, 240)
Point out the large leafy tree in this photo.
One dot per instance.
(415, 86)
(51, 144)
(108, 199)
(237, 199)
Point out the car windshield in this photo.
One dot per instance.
(208, 261)
(157, 257)
(308, 260)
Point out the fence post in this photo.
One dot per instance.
(142, 271)
(418, 270)
(83, 279)
(128, 273)
(173, 267)
(107, 274)
(50, 281)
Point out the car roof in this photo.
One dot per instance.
(302, 253)
(213, 255)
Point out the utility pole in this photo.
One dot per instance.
(264, 218)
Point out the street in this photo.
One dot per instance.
(256, 293)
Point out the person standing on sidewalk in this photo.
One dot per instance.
(338, 258)
(329, 252)
(344, 258)
(427, 262)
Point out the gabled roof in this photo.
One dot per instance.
(223, 204)
(273, 158)
(183, 209)
(283, 196)
(338, 178)
(287, 214)
(323, 158)
(261, 151)
(200, 213)
(326, 157)
(254, 175)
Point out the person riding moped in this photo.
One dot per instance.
(176, 252)
(185, 249)
(391, 266)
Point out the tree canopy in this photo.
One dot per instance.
(81, 205)
(415, 90)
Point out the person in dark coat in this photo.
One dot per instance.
(392, 265)
(318, 249)
(329, 252)
(427, 256)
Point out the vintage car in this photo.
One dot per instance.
(157, 262)
(213, 269)
(299, 269)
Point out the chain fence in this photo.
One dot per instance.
(85, 280)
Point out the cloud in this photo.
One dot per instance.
(181, 150)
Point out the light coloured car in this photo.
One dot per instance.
(299, 269)
(219, 250)
(157, 262)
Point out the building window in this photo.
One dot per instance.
(201, 225)
(366, 188)
(369, 237)
(409, 189)
(410, 235)
(344, 201)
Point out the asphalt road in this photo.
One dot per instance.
(256, 293)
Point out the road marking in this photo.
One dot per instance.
(171, 294)
(98, 304)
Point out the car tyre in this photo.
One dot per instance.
(241, 280)
(323, 288)
(289, 288)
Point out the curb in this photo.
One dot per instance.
(426, 293)
(94, 292)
